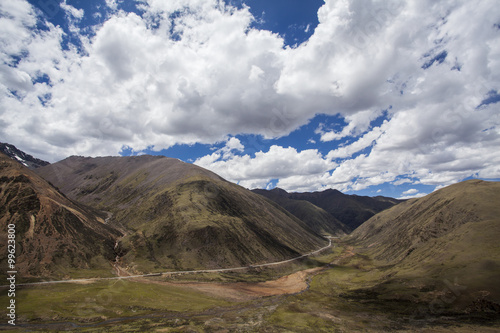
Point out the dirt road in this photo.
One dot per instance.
(125, 276)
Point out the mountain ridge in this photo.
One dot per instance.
(350, 210)
(176, 215)
(315, 217)
(21, 157)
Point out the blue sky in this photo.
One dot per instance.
(368, 97)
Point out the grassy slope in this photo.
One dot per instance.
(195, 230)
(450, 236)
(358, 295)
(179, 216)
(353, 294)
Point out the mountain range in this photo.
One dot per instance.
(177, 216)
(418, 260)
(336, 210)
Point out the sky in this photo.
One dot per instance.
(368, 97)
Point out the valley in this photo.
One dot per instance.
(220, 166)
(148, 243)
(343, 292)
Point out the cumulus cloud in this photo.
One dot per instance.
(277, 163)
(189, 71)
(72, 11)
(412, 193)
(112, 4)
(358, 123)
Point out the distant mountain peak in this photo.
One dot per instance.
(279, 191)
(350, 210)
(21, 157)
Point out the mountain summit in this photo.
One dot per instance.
(21, 157)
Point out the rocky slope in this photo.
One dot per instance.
(20, 156)
(54, 235)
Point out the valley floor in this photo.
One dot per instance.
(339, 290)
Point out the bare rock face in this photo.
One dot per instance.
(21, 157)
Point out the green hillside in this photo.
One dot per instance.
(176, 215)
(449, 238)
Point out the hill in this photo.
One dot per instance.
(315, 217)
(449, 235)
(54, 235)
(177, 215)
(21, 157)
(350, 210)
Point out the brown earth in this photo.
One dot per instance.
(245, 291)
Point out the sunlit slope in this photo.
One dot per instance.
(54, 235)
(179, 216)
(452, 234)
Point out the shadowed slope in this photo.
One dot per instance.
(350, 210)
(315, 217)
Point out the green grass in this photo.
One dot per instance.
(356, 295)
(110, 299)
(359, 295)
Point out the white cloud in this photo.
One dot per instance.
(204, 75)
(402, 181)
(278, 163)
(358, 123)
(226, 152)
(74, 12)
(364, 142)
(410, 191)
(112, 4)
(411, 194)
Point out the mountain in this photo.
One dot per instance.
(449, 235)
(54, 235)
(177, 215)
(20, 156)
(350, 210)
(315, 217)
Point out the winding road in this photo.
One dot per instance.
(177, 272)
